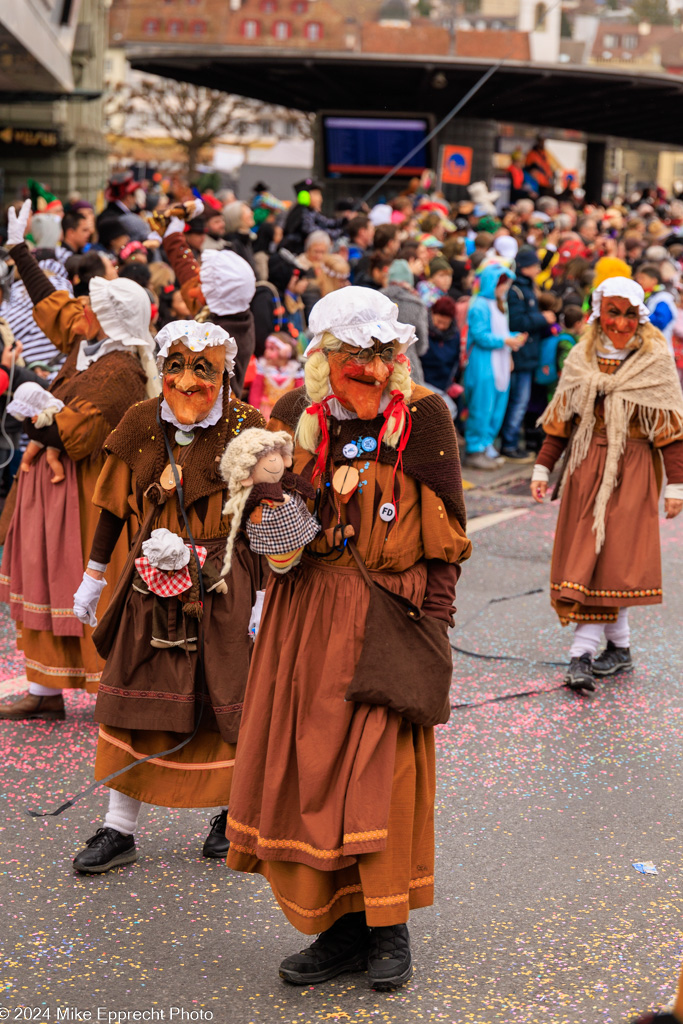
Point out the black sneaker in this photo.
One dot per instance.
(106, 849)
(580, 674)
(216, 844)
(612, 660)
(517, 455)
(342, 948)
(390, 964)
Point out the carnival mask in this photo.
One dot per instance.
(359, 377)
(192, 381)
(619, 319)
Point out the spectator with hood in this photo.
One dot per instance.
(411, 310)
(122, 202)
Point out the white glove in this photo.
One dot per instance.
(86, 598)
(174, 226)
(198, 209)
(256, 612)
(17, 224)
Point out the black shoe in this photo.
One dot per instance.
(106, 849)
(216, 844)
(342, 948)
(580, 674)
(613, 660)
(517, 455)
(390, 964)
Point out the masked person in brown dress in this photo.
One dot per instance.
(186, 680)
(333, 794)
(109, 367)
(618, 415)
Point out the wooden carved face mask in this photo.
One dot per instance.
(192, 381)
(618, 319)
(359, 377)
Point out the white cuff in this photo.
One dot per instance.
(540, 473)
(153, 236)
(97, 566)
(674, 491)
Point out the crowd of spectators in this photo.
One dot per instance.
(497, 294)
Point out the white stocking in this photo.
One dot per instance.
(123, 813)
(619, 632)
(587, 639)
(43, 691)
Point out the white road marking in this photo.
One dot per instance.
(493, 518)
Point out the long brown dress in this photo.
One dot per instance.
(149, 697)
(53, 525)
(590, 587)
(333, 801)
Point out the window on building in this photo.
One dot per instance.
(151, 26)
(540, 22)
(282, 30)
(610, 40)
(268, 6)
(198, 28)
(265, 127)
(299, 6)
(629, 42)
(313, 31)
(251, 29)
(175, 26)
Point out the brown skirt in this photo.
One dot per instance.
(590, 587)
(323, 786)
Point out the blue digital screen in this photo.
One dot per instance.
(371, 146)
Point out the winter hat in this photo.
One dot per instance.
(610, 266)
(439, 263)
(527, 257)
(445, 306)
(400, 273)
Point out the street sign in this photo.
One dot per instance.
(456, 165)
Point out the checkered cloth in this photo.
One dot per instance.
(283, 527)
(161, 583)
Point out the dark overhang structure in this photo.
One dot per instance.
(592, 100)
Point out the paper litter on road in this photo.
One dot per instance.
(646, 867)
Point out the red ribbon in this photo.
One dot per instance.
(396, 409)
(320, 409)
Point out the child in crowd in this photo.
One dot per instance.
(441, 361)
(439, 282)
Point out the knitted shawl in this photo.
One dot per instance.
(646, 387)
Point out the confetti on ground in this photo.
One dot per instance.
(541, 803)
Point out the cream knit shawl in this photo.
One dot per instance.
(646, 386)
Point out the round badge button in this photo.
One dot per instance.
(350, 451)
(369, 444)
(387, 512)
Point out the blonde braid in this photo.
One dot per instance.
(234, 507)
(317, 379)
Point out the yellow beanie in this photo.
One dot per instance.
(610, 266)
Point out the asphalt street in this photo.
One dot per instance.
(545, 800)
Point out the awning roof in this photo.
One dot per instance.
(593, 100)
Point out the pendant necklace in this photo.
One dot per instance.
(184, 437)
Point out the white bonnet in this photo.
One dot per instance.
(358, 316)
(624, 288)
(506, 246)
(227, 281)
(30, 398)
(123, 310)
(196, 337)
(380, 214)
(166, 550)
